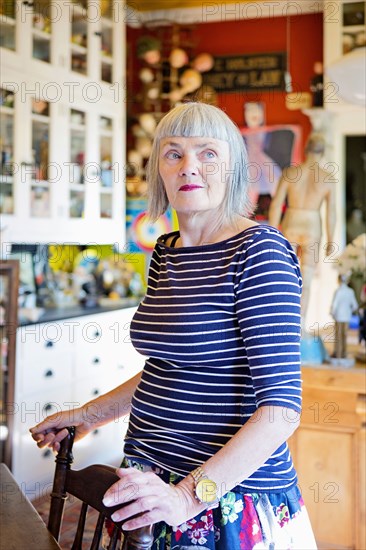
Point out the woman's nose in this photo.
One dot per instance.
(188, 166)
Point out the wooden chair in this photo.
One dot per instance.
(89, 486)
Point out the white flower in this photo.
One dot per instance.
(352, 261)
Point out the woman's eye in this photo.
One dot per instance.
(209, 155)
(172, 155)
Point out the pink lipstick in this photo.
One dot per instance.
(189, 187)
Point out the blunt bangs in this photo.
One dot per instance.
(201, 120)
(195, 120)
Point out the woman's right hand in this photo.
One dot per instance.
(52, 429)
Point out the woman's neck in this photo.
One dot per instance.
(196, 231)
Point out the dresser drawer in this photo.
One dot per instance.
(89, 388)
(36, 407)
(44, 372)
(98, 342)
(35, 341)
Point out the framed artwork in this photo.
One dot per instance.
(140, 232)
(254, 114)
(9, 278)
(270, 150)
(353, 14)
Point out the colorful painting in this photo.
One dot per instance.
(141, 234)
(270, 150)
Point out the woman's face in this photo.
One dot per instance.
(194, 171)
(254, 115)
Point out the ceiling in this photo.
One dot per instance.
(152, 5)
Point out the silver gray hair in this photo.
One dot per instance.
(196, 119)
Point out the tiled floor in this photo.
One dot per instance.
(69, 523)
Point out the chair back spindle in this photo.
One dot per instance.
(89, 486)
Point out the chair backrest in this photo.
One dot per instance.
(89, 485)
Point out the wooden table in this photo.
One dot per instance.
(20, 524)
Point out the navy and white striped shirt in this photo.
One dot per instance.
(220, 325)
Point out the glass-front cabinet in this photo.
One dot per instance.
(62, 121)
(79, 37)
(106, 47)
(77, 163)
(40, 187)
(8, 24)
(7, 151)
(106, 166)
(42, 30)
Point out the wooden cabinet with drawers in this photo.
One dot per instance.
(329, 454)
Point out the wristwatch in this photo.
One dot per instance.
(205, 489)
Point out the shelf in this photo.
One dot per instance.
(45, 119)
(77, 127)
(44, 184)
(42, 35)
(106, 133)
(105, 190)
(77, 187)
(108, 60)
(76, 48)
(6, 110)
(5, 20)
(353, 28)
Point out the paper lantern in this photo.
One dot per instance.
(143, 146)
(176, 95)
(178, 58)
(153, 92)
(148, 48)
(349, 75)
(147, 122)
(190, 80)
(152, 57)
(146, 75)
(203, 62)
(134, 157)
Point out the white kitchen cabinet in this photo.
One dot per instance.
(63, 121)
(61, 365)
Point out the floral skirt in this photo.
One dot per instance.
(256, 521)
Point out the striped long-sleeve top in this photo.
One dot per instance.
(220, 326)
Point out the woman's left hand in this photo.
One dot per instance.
(151, 498)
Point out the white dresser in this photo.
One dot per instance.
(60, 365)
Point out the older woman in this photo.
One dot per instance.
(206, 458)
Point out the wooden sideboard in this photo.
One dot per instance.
(329, 454)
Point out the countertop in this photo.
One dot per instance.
(56, 314)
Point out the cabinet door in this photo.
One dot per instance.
(8, 12)
(60, 61)
(7, 120)
(327, 476)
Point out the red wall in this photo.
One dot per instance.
(265, 35)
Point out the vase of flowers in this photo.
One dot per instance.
(352, 264)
